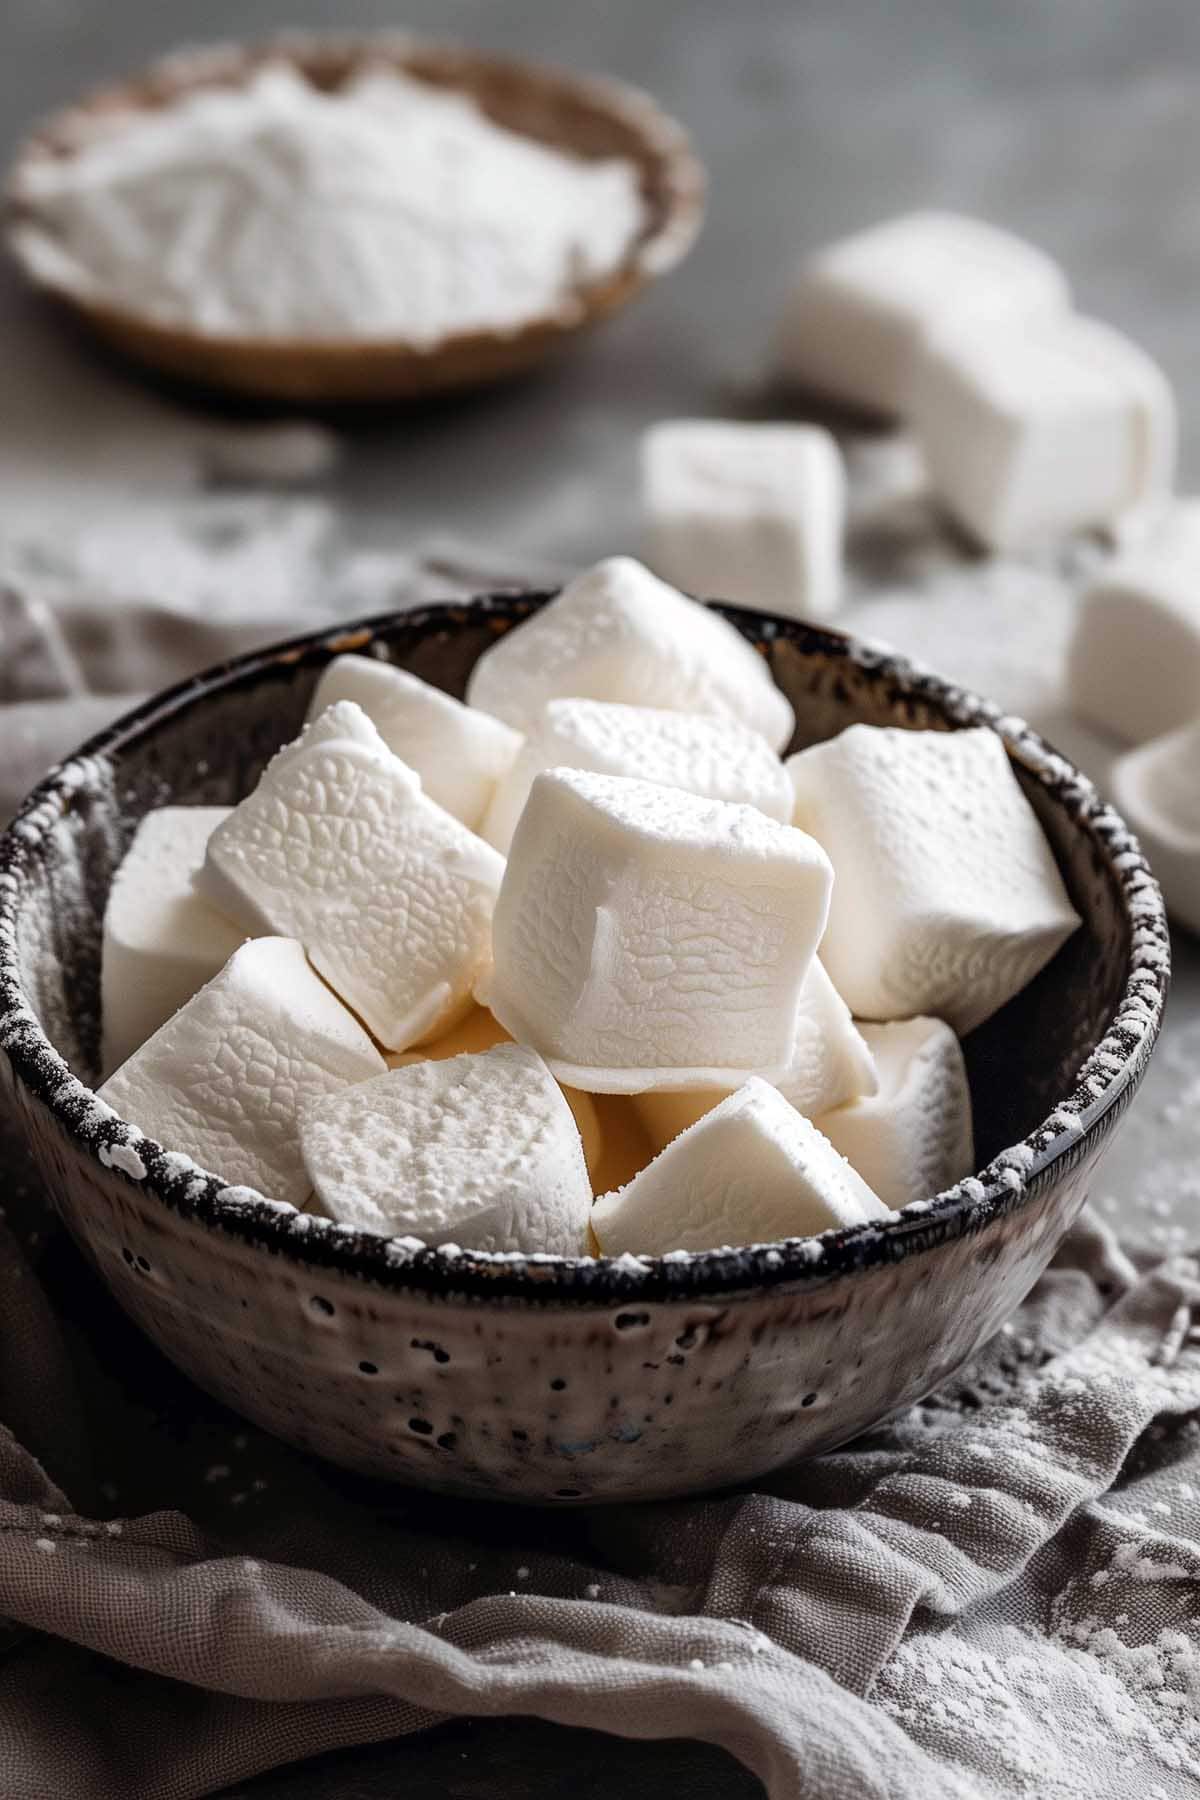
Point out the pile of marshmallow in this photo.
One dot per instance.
(561, 942)
(1032, 421)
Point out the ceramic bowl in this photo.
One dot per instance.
(589, 116)
(546, 1379)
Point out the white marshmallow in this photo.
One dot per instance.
(1047, 426)
(227, 1079)
(1157, 788)
(618, 633)
(390, 896)
(751, 1171)
(459, 752)
(481, 1151)
(830, 1064)
(715, 757)
(947, 899)
(646, 937)
(914, 1137)
(753, 513)
(161, 942)
(1133, 667)
(858, 310)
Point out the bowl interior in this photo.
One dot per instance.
(207, 743)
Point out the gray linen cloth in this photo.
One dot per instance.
(998, 1594)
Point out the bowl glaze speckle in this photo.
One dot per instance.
(544, 1379)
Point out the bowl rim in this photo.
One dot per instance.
(669, 232)
(1011, 1180)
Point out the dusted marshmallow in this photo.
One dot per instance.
(227, 1079)
(947, 899)
(715, 757)
(752, 1171)
(390, 896)
(1157, 788)
(1040, 427)
(912, 1138)
(618, 633)
(753, 513)
(645, 937)
(1133, 667)
(480, 1151)
(858, 310)
(161, 942)
(459, 752)
(830, 1065)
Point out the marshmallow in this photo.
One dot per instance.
(227, 1078)
(480, 1151)
(830, 1064)
(645, 937)
(1040, 427)
(1133, 667)
(618, 633)
(459, 752)
(753, 1170)
(390, 896)
(161, 943)
(914, 1137)
(858, 310)
(715, 757)
(1157, 788)
(753, 513)
(480, 1031)
(947, 898)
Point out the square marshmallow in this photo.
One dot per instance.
(481, 1151)
(715, 757)
(751, 1171)
(947, 898)
(914, 1137)
(645, 937)
(1133, 667)
(390, 896)
(618, 633)
(830, 1064)
(459, 752)
(858, 310)
(1157, 789)
(227, 1079)
(753, 513)
(1045, 426)
(161, 942)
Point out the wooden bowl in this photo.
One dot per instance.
(591, 117)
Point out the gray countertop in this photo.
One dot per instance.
(1076, 122)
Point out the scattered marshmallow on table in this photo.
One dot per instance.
(946, 899)
(752, 1170)
(719, 758)
(747, 512)
(459, 752)
(914, 1137)
(1043, 426)
(830, 1064)
(859, 309)
(481, 1151)
(389, 894)
(161, 942)
(227, 1078)
(646, 937)
(618, 633)
(1157, 790)
(1133, 666)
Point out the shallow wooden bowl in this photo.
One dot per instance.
(589, 116)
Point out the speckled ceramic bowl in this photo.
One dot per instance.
(554, 1380)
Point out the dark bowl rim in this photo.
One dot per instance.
(1010, 1181)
